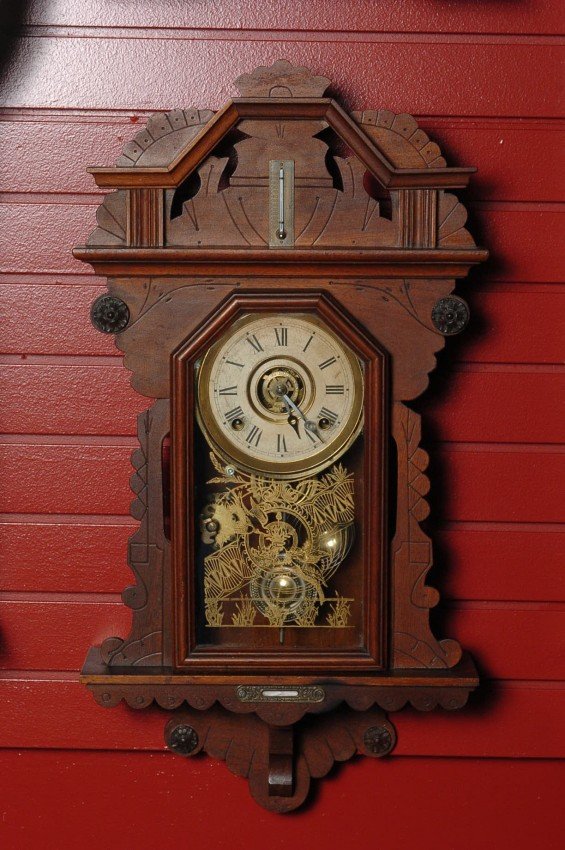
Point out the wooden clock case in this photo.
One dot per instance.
(259, 660)
(377, 245)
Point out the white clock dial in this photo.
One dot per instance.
(280, 394)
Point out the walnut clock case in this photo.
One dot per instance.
(280, 276)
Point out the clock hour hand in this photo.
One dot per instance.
(308, 423)
(294, 423)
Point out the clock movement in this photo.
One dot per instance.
(280, 276)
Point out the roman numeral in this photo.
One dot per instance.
(282, 336)
(233, 363)
(310, 436)
(234, 413)
(308, 343)
(254, 343)
(335, 389)
(254, 436)
(281, 443)
(328, 414)
(326, 363)
(228, 390)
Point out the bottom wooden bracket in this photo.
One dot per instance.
(281, 766)
(279, 744)
(279, 761)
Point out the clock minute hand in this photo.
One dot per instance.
(294, 407)
(308, 423)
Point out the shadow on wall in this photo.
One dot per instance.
(13, 16)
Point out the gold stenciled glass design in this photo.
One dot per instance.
(279, 402)
(276, 545)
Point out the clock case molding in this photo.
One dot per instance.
(378, 243)
(371, 514)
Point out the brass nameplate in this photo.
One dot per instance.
(268, 693)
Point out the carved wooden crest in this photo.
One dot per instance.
(377, 234)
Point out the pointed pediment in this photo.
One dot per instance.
(172, 145)
(366, 181)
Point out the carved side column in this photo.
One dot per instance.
(418, 214)
(148, 553)
(413, 642)
(145, 218)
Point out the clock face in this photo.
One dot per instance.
(280, 394)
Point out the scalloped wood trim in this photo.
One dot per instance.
(401, 139)
(413, 642)
(423, 689)
(164, 135)
(279, 762)
(148, 553)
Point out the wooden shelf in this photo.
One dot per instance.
(424, 689)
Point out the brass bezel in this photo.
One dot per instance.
(287, 470)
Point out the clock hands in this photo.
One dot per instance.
(309, 425)
(294, 423)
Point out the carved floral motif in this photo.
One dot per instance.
(325, 214)
(281, 79)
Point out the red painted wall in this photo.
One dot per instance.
(482, 77)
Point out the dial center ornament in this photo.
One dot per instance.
(277, 382)
(280, 394)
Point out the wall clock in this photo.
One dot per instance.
(280, 276)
